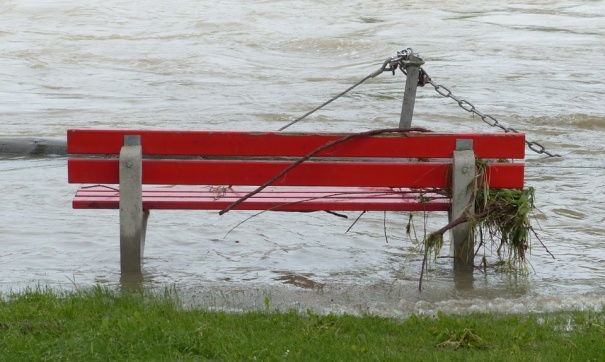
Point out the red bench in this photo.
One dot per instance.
(379, 171)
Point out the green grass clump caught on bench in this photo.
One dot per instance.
(507, 222)
(100, 324)
(500, 221)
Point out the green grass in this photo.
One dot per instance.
(100, 324)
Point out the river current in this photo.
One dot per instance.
(536, 66)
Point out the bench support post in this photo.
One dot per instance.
(133, 219)
(463, 183)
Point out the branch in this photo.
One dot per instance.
(313, 153)
(540, 240)
(355, 222)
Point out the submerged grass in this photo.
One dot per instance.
(498, 221)
(506, 218)
(508, 224)
(101, 324)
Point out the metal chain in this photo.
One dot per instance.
(490, 120)
(399, 61)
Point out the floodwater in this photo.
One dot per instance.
(536, 66)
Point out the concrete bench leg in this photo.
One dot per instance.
(463, 181)
(133, 219)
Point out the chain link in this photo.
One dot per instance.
(490, 120)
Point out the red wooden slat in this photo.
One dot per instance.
(506, 175)
(202, 172)
(215, 143)
(269, 191)
(297, 200)
(220, 192)
(360, 174)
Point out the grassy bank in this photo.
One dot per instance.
(99, 324)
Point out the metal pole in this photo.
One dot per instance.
(463, 177)
(132, 215)
(411, 84)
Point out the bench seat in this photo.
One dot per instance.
(303, 199)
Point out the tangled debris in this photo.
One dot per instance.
(500, 221)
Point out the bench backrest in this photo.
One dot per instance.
(252, 158)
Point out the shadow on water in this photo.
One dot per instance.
(463, 280)
(132, 281)
(496, 284)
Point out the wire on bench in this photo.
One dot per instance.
(372, 75)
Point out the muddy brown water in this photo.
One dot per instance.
(536, 66)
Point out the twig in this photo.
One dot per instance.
(530, 264)
(294, 203)
(355, 222)
(481, 243)
(243, 221)
(336, 214)
(384, 225)
(466, 213)
(313, 153)
(426, 252)
(537, 237)
(462, 219)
